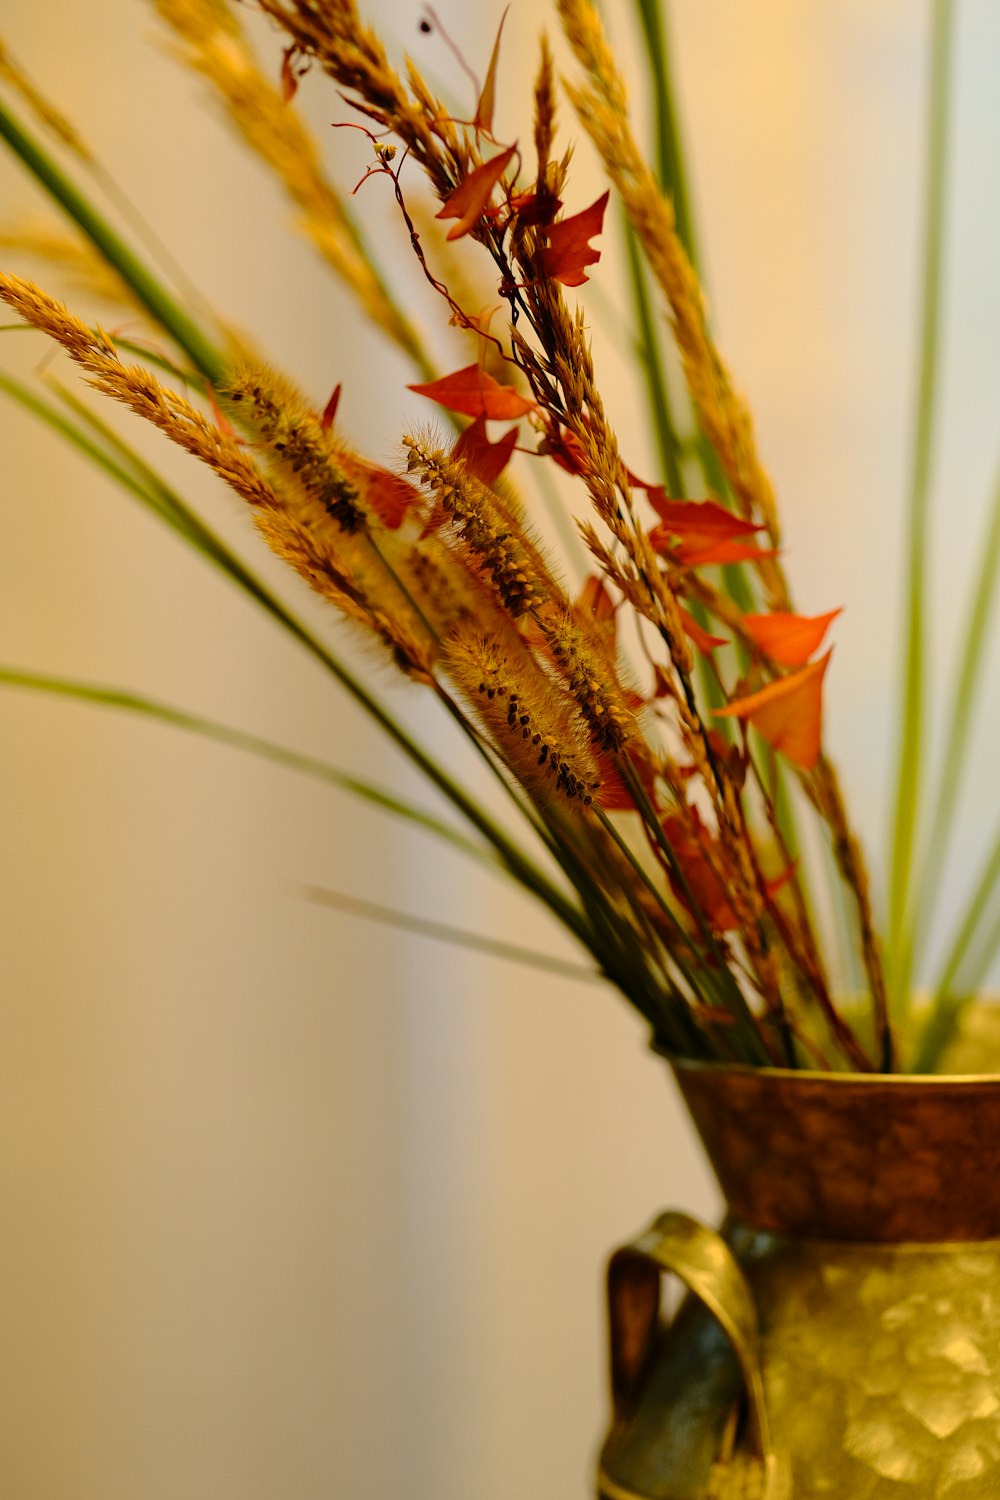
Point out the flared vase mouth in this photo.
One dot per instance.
(831, 1078)
(867, 1157)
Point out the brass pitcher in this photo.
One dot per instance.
(841, 1336)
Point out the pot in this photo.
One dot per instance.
(841, 1333)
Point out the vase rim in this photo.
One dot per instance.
(705, 1065)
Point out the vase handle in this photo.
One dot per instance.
(705, 1264)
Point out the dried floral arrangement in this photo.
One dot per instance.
(657, 728)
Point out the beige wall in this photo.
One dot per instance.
(295, 1206)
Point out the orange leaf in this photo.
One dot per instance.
(788, 639)
(467, 202)
(706, 643)
(614, 795)
(697, 520)
(330, 409)
(289, 77)
(706, 887)
(595, 600)
(778, 882)
(389, 495)
(483, 118)
(698, 555)
(484, 459)
(788, 713)
(474, 393)
(531, 206)
(565, 447)
(568, 250)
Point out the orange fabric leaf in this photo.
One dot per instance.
(777, 882)
(788, 713)
(595, 600)
(788, 639)
(330, 409)
(467, 202)
(474, 393)
(482, 458)
(531, 206)
(614, 795)
(483, 118)
(699, 556)
(565, 448)
(568, 250)
(289, 77)
(697, 520)
(389, 495)
(706, 643)
(706, 888)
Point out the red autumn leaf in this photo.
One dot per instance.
(483, 118)
(701, 862)
(531, 206)
(569, 250)
(698, 555)
(614, 795)
(596, 601)
(485, 460)
(778, 882)
(389, 495)
(788, 639)
(289, 77)
(706, 643)
(697, 520)
(565, 448)
(330, 409)
(467, 202)
(788, 713)
(474, 393)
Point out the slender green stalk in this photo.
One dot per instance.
(954, 985)
(669, 154)
(240, 739)
(909, 761)
(967, 682)
(151, 292)
(444, 932)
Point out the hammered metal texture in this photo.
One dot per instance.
(881, 1367)
(866, 1219)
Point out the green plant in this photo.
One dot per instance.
(654, 804)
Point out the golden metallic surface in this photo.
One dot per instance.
(866, 1234)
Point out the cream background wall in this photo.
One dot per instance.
(297, 1206)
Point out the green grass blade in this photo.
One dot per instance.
(444, 932)
(151, 292)
(669, 151)
(120, 698)
(967, 682)
(908, 774)
(959, 976)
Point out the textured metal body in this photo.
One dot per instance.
(842, 1333)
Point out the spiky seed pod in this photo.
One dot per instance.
(536, 732)
(297, 444)
(590, 677)
(503, 553)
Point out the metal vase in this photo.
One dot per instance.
(841, 1333)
